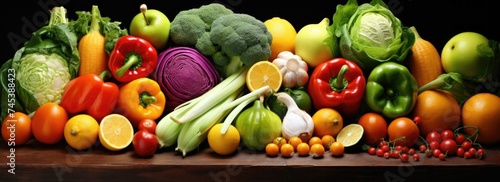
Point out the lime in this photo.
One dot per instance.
(350, 135)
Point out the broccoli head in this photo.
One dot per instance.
(237, 37)
(190, 25)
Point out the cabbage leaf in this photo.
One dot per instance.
(369, 34)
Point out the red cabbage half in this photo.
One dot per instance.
(184, 74)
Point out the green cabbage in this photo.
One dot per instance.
(369, 34)
(43, 76)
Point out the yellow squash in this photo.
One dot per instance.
(93, 56)
(425, 62)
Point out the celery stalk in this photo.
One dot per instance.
(212, 97)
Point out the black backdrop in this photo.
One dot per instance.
(436, 21)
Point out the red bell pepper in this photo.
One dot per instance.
(339, 84)
(91, 95)
(132, 58)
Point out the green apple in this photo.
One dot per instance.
(460, 54)
(151, 25)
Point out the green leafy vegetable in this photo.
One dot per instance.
(42, 67)
(369, 34)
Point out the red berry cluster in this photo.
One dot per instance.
(451, 143)
(389, 149)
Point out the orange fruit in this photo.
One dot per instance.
(295, 141)
(115, 132)
(438, 111)
(264, 73)
(287, 150)
(81, 131)
(317, 150)
(272, 150)
(283, 34)
(337, 149)
(482, 110)
(315, 140)
(303, 149)
(327, 121)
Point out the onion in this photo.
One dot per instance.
(183, 73)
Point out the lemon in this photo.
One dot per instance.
(115, 132)
(81, 131)
(264, 73)
(283, 34)
(223, 144)
(350, 135)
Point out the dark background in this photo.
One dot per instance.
(436, 21)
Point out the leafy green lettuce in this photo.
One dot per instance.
(369, 34)
(39, 71)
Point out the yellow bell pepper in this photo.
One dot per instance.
(139, 99)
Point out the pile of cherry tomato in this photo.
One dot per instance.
(441, 145)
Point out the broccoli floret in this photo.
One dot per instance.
(237, 37)
(190, 25)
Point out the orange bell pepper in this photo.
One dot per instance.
(140, 99)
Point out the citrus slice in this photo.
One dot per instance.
(350, 135)
(115, 132)
(264, 73)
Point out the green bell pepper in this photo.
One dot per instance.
(391, 90)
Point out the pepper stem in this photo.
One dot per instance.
(146, 99)
(132, 61)
(339, 83)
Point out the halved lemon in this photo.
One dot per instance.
(350, 135)
(264, 73)
(115, 132)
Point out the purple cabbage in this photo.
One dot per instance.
(183, 73)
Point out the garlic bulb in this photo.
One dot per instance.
(296, 121)
(293, 69)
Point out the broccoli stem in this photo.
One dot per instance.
(453, 83)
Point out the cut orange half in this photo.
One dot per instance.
(264, 73)
(115, 132)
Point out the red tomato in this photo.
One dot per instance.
(403, 128)
(433, 136)
(147, 124)
(447, 134)
(16, 129)
(449, 147)
(145, 143)
(375, 128)
(48, 123)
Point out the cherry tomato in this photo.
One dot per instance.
(403, 127)
(422, 148)
(416, 157)
(428, 153)
(404, 158)
(395, 154)
(16, 129)
(441, 157)
(380, 152)
(447, 134)
(467, 155)
(147, 124)
(372, 151)
(449, 147)
(374, 126)
(145, 143)
(436, 152)
(480, 153)
(387, 155)
(385, 148)
(48, 123)
(434, 145)
(460, 152)
(472, 151)
(460, 138)
(466, 145)
(433, 136)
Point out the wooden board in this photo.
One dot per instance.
(35, 161)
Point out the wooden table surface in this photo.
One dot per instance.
(59, 162)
